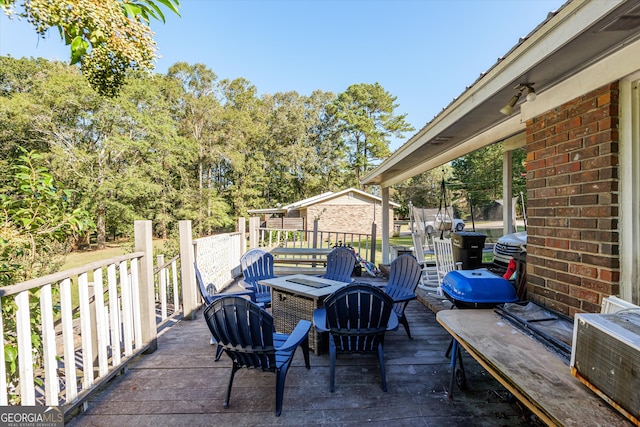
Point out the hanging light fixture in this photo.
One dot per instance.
(531, 96)
(506, 110)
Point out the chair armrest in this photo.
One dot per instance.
(392, 325)
(246, 284)
(297, 336)
(320, 319)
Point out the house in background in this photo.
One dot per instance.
(350, 211)
(569, 92)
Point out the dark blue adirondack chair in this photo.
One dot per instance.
(340, 263)
(356, 317)
(404, 276)
(257, 265)
(246, 334)
(209, 297)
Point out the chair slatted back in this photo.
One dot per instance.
(404, 276)
(244, 330)
(445, 262)
(207, 298)
(257, 265)
(357, 317)
(340, 263)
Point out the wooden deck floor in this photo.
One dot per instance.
(181, 385)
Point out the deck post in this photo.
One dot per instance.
(143, 243)
(242, 229)
(315, 233)
(385, 225)
(254, 224)
(187, 259)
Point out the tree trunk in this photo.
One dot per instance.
(100, 226)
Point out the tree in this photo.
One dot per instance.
(479, 175)
(198, 115)
(108, 38)
(423, 190)
(36, 220)
(365, 112)
(243, 133)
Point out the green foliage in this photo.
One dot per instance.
(365, 114)
(479, 175)
(174, 147)
(35, 220)
(109, 38)
(423, 190)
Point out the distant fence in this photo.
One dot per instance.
(364, 244)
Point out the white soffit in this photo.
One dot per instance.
(513, 127)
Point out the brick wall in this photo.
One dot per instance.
(572, 203)
(348, 218)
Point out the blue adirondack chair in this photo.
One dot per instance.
(246, 334)
(340, 263)
(404, 275)
(208, 298)
(257, 264)
(356, 317)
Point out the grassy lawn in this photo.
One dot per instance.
(82, 257)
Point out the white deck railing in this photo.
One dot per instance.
(271, 237)
(88, 324)
(72, 330)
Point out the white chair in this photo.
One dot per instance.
(443, 250)
(429, 279)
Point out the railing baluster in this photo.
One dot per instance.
(51, 386)
(102, 324)
(135, 294)
(127, 308)
(114, 312)
(70, 378)
(25, 349)
(4, 395)
(85, 331)
(176, 302)
(162, 287)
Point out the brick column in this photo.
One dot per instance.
(572, 203)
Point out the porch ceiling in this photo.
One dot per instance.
(579, 34)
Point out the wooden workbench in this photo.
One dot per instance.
(534, 375)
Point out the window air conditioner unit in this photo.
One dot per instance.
(606, 358)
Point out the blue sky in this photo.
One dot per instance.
(424, 52)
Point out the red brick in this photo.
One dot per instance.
(584, 270)
(557, 160)
(558, 201)
(584, 176)
(582, 246)
(558, 244)
(609, 275)
(585, 294)
(568, 168)
(586, 199)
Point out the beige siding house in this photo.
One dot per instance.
(349, 211)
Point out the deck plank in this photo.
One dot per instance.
(180, 384)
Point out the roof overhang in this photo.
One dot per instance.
(577, 36)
